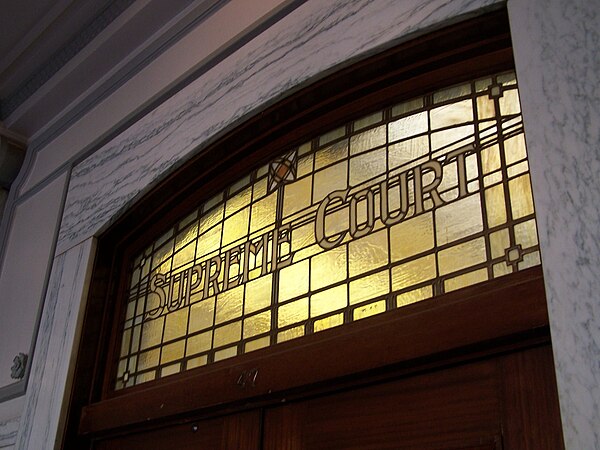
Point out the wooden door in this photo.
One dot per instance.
(505, 402)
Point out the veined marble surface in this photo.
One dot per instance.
(557, 53)
(315, 37)
(55, 350)
(8, 432)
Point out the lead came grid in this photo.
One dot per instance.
(422, 198)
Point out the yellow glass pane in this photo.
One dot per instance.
(408, 126)
(305, 166)
(209, 242)
(257, 324)
(458, 219)
(236, 226)
(526, 234)
(308, 252)
(185, 255)
(466, 279)
(329, 155)
(125, 342)
(369, 287)
(514, 149)
(369, 310)
(521, 199)
(170, 370)
(367, 121)
(225, 353)
(152, 332)
(200, 343)
(228, 334)
(329, 322)
(293, 312)
(292, 333)
(406, 107)
(493, 178)
(148, 359)
(416, 295)
(238, 202)
(202, 315)
(172, 352)
(229, 304)
(176, 324)
(328, 268)
(186, 236)
(259, 189)
(263, 212)
(452, 138)
(413, 272)
(328, 300)
(509, 102)
(530, 260)
(501, 269)
(452, 92)
(210, 219)
(411, 237)
(303, 236)
(135, 340)
(297, 196)
(332, 135)
(197, 362)
(258, 293)
(406, 152)
(336, 222)
(144, 377)
(257, 344)
(461, 256)
(367, 166)
(485, 107)
(368, 252)
(293, 280)
(495, 205)
(499, 242)
(452, 114)
(367, 140)
(331, 179)
(162, 255)
(490, 159)
(518, 169)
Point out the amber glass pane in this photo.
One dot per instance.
(402, 203)
(370, 286)
(328, 301)
(412, 237)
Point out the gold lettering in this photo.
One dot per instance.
(323, 240)
(431, 188)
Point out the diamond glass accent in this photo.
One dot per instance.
(401, 205)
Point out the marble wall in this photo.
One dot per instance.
(557, 53)
(318, 37)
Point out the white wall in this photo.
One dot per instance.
(315, 37)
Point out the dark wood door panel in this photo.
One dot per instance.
(235, 432)
(456, 408)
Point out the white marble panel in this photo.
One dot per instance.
(557, 55)
(8, 432)
(56, 347)
(314, 38)
(24, 269)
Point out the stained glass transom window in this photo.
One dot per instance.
(404, 204)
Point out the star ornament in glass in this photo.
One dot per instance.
(283, 170)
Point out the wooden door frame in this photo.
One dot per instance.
(480, 320)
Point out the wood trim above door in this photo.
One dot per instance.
(482, 318)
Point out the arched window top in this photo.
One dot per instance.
(412, 201)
